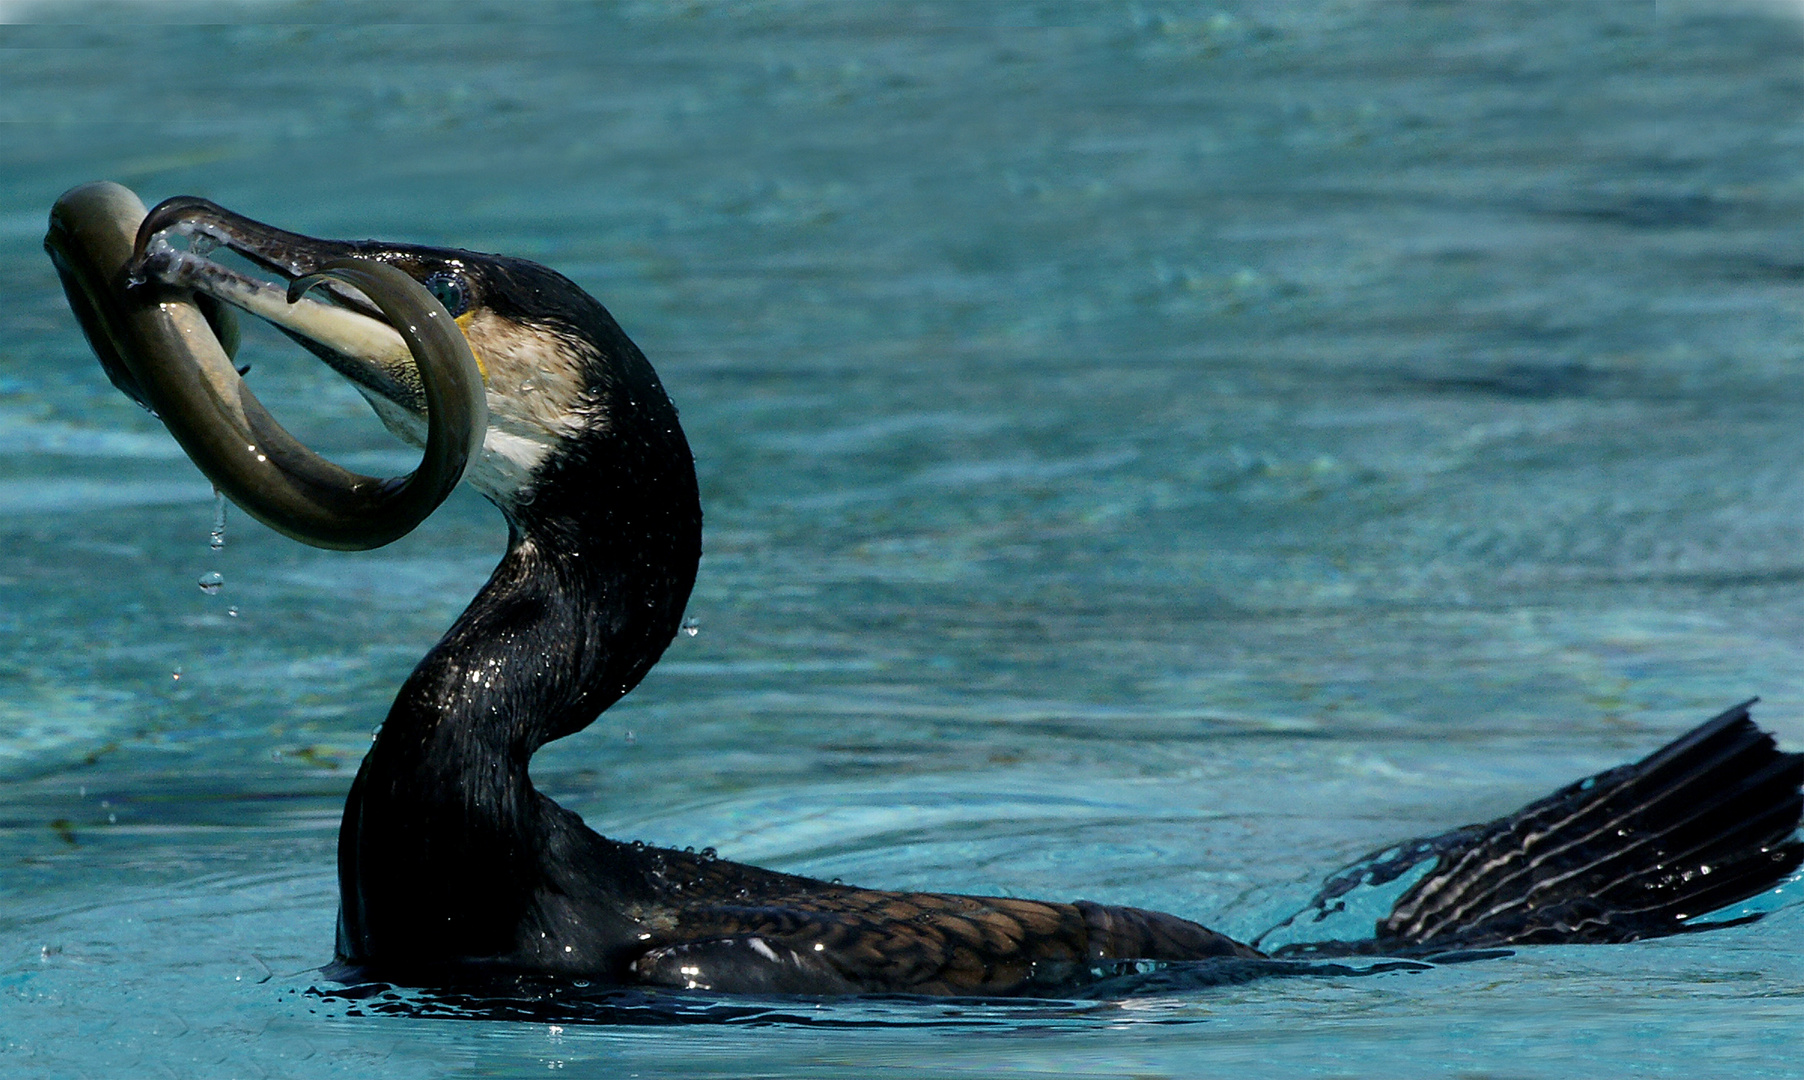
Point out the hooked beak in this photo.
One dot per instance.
(350, 333)
(134, 294)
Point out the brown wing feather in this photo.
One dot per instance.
(811, 937)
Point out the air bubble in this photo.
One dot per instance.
(211, 582)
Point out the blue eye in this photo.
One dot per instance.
(449, 289)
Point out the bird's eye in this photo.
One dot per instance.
(450, 290)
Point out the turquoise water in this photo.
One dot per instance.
(1152, 453)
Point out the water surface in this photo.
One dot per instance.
(1152, 453)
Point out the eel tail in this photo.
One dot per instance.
(1639, 851)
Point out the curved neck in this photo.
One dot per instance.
(592, 589)
(439, 856)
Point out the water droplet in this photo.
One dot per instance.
(176, 675)
(211, 582)
(690, 850)
(709, 854)
(837, 881)
(691, 627)
(630, 737)
(113, 819)
(217, 539)
(202, 244)
(232, 612)
(638, 845)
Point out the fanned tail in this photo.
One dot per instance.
(1706, 821)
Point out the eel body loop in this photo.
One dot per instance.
(171, 351)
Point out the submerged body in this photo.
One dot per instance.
(453, 867)
(1627, 854)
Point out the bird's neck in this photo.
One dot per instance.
(592, 589)
(442, 828)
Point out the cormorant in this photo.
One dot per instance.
(453, 868)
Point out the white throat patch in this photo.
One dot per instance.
(537, 400)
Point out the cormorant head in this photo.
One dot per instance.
(555, 364)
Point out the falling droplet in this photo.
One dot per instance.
(211, 582)
(232, 612)
(217, 539)
(691, 627)
(176, 675)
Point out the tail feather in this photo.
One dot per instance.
(1706, 821)
(1706, 832)
(1621, 834)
